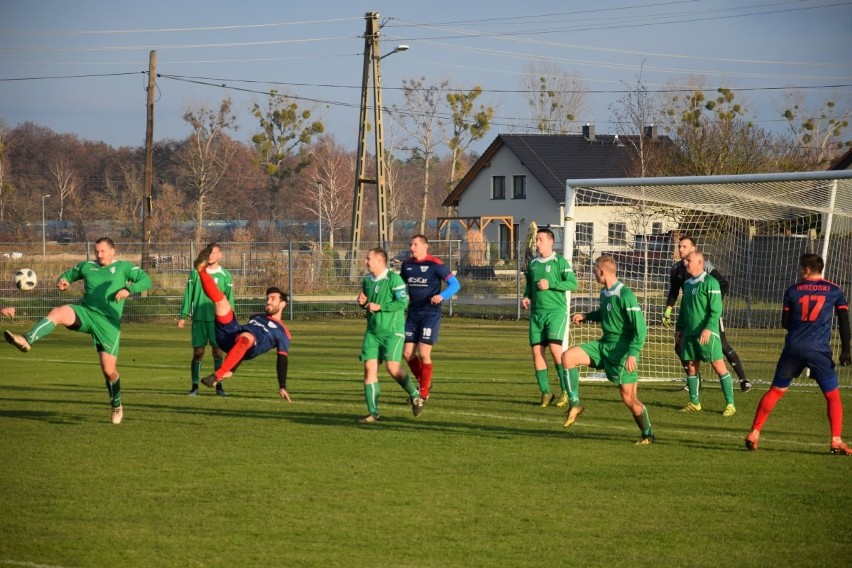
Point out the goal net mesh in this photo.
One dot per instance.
(753, 232)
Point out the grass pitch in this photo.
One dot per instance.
(482, 478)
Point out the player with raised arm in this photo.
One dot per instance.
(384, 299)
(200, 307)
(697, 330)
(617, 351)
(106, 284)
(809, 309)
(261, 333)
(549, 278)
(423, 275)
(677, 276)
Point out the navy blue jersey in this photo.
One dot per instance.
(809, 307)
(423, 279)
(268, 333)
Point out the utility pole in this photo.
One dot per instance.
(147, 205)
(372, 66)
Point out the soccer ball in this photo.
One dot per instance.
(25, 279)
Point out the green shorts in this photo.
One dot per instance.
(204, 332)
(382, 347)
(106, 335)
(611, 358)
(692, 350)
(548, 327)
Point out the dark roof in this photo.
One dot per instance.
(553, 158)
(844, 162)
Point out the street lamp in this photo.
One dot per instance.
(319, 194)
(43, 227)
(397, 49)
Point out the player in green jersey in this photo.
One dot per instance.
(697, 329)
(384, 298)
(549, 279)
(107, 283)
(617, 352)
(200, 307)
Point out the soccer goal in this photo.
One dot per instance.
(752, 228)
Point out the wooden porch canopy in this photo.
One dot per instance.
(470, 223)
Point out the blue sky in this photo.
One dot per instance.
(313, 50)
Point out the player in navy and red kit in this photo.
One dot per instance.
(423, 275)
(809, 308)
(261, 333)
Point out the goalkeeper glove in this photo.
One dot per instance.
(845, 359)
(667, 317)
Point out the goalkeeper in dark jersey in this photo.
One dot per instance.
(677, 277)
(107, 283)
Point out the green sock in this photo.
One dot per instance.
(644, 423)
(563, 377)
(574, 386)
(39, 330)
(195, 371)
(692, 383)
(114, 389)
(218, 363)
(727, 388)
(371, 395)
(543, 382)
(409, 386)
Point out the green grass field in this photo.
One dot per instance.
(482, 478)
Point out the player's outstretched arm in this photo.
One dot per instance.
(281, 368)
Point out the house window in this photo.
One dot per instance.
(657, 228)
(617, 234)
(519, 187)
(584, 233)
(498, 187)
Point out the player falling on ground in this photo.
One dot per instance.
(549, 279)
(677, 277)
(809, 308)
(697, 330)
(106, 284)
(384, 299)
(617, 351)
(200, 307)
(423, 275)
(261, 333)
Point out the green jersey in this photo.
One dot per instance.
(701, 306)
(101, 283)
(621, 318)
(560, 277)
(388, 290)
(196, 302)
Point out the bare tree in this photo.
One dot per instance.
(556, 97)
(206, 155)
(329, 184)
(66, 182)
(5, 183)
(818, 133)
(468, 126)
(420, 118)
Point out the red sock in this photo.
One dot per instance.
(234, 356)
(425, 379)
(764, 408)
(416, 368)
(210, 289)
(835, 412)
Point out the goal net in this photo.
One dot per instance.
(751, 228)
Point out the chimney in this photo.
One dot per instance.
(589, 132)
(651, 132)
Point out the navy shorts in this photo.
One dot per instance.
(423, 327)
(793, 361)
(227, 333)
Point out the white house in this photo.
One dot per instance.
(520, 178)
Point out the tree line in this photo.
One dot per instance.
(289, 167)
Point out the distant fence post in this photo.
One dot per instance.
(290, 275)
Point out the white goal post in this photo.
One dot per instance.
(752, 228)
